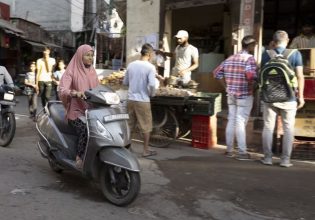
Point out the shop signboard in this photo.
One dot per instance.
(247, 16)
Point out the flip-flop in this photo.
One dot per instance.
(150, 153)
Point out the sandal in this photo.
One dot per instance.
(150, 153)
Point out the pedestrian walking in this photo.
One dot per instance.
(61, 68)
(44, 68)
(31, 90)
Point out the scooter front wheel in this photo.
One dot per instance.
(7, 131)
(119, 186)
(54, 166)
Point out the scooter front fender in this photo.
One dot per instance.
(120, 157)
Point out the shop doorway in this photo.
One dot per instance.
(288, 15)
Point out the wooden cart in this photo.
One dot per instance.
(172, 116)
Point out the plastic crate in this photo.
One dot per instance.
(303, 150)
(309, 89)
(168, 100)
(204, 104)
(204, 131)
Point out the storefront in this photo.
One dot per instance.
(290, 15)
(9, 49)
(216, 28)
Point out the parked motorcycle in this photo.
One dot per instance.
(106, 158)
(7, 115)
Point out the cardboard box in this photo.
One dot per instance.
(304, 127)
(307, 110)
(207, 83)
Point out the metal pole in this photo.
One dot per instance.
(93, 34)
(122, 50)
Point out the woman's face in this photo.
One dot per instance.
(61, 65)
(46, 53)
(88, 58)
(33, 67)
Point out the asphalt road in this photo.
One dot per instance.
(179, 183)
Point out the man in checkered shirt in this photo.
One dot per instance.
(238, 73)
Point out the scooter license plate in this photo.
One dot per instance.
(109, 118)
(8, 96)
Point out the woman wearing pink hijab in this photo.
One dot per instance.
(79, 76)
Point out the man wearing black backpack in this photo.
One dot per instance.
(286, 107)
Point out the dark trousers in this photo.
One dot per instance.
(161, 70)
(32, 104)
(80, 128)
(45, 89)
(55, 91)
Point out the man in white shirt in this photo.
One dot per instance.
(306, 39)
(44, 68)
(186, 57)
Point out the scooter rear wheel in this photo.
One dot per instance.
(119, 186)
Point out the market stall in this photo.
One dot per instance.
(177, 111)
(175, 117)
(304, 144)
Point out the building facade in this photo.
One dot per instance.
(62, 19)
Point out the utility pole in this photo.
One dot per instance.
(93, 38)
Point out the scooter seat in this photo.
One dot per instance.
(58, 113)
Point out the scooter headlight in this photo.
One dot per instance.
(111, 98)
(102, 130)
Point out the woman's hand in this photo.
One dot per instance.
(76, 94)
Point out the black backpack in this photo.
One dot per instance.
(277, 79)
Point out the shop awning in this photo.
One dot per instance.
(52, 45)
(37, 47)
(178, 4)
(10, 28)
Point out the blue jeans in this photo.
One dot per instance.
(287, 110)
(239, 111)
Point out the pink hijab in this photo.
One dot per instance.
(80, 78)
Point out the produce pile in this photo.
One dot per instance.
(171, 87)
(170, 91)
(167, 86)
(114, 80)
